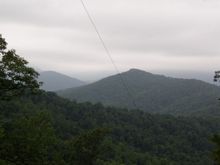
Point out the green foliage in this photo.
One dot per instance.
(15, 76)
(216, 153)
(136, 137)
(28, 140)
(86, 147)
(1, 132)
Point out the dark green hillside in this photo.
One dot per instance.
(152, 93)
(46, 129)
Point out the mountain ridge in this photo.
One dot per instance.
(152, 93)
(54, 81)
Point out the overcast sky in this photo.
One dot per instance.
(161, 36)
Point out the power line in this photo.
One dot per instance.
(109, 54)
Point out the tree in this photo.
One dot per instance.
(217, 76)
(15, 76)
(29, 140)
(216, 153)
(85, 149)
(216, 138)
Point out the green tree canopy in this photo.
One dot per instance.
(85, 149)
(216, 153)
(29, 140)
(15, 75)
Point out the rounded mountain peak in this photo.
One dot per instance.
(138, 71)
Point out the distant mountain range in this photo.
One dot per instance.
(54, 81)
(151, 93)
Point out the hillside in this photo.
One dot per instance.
(46, 129)
(53, 81)
(152, 93)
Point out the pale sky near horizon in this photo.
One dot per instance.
(163, 36)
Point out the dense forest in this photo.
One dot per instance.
(46, 129)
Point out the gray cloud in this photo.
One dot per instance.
(147, 34)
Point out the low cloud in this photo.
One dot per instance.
(146, 34)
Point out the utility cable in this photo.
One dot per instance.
(109, 55)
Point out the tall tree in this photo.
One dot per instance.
(15, 75)
(216, 138)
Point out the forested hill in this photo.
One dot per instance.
(46, 128)
(53, 81)
(152, 93)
